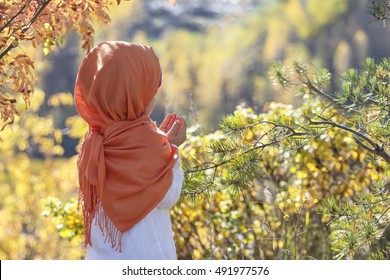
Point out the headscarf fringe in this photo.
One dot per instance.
(91, 205)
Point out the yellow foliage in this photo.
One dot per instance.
(342, 57)
(325, 12)
(250, 225)
(25, 185)
(220, 225)
(277, 38)
(77, 127)
(61, 98)
(298, 17)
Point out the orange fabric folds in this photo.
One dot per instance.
(125, 162)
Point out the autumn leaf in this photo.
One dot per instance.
(3, 41)
(173, 2)
(43, 23)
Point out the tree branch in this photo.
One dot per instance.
(11, 46)
(346, 128)
(211, 165)
(383, 213)
(318, 91)
(24, 29)
(374, 202)
(379, 11)
(377, 150)
(364, 146)
(35, 16)
(13, 18)
(293, 132)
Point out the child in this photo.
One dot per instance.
(129, 170)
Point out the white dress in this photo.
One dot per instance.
(149, 239)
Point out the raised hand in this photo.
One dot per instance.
(176, 129)
(168, 122)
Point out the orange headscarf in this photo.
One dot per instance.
(125, 161)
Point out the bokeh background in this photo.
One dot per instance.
(215, 56)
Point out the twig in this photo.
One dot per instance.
(35, 16)
(377, 150)
(13, 18)
(324, 94)
(318, 91)
(293, 132)
(364, 146)
(11, 46)
(343, 127)
(374, 202)
(380, 217)
(24, 29)
(212, 165)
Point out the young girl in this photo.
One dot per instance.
(129, 170)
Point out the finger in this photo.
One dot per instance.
(181, 136)
(183, 121)
(164, 124)
(171, 120)
(177, 119)
(175, 128)
(183, 124)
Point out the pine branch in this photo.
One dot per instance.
(209, 165)
(318, 91)
(376, 149)
(212, 165)
(374, 202)
(327, 96)
(276, 125)
(379, 11)
(383, 213)
(364, 146)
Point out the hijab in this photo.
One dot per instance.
(125, 162)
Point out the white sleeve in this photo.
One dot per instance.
(173, 194)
